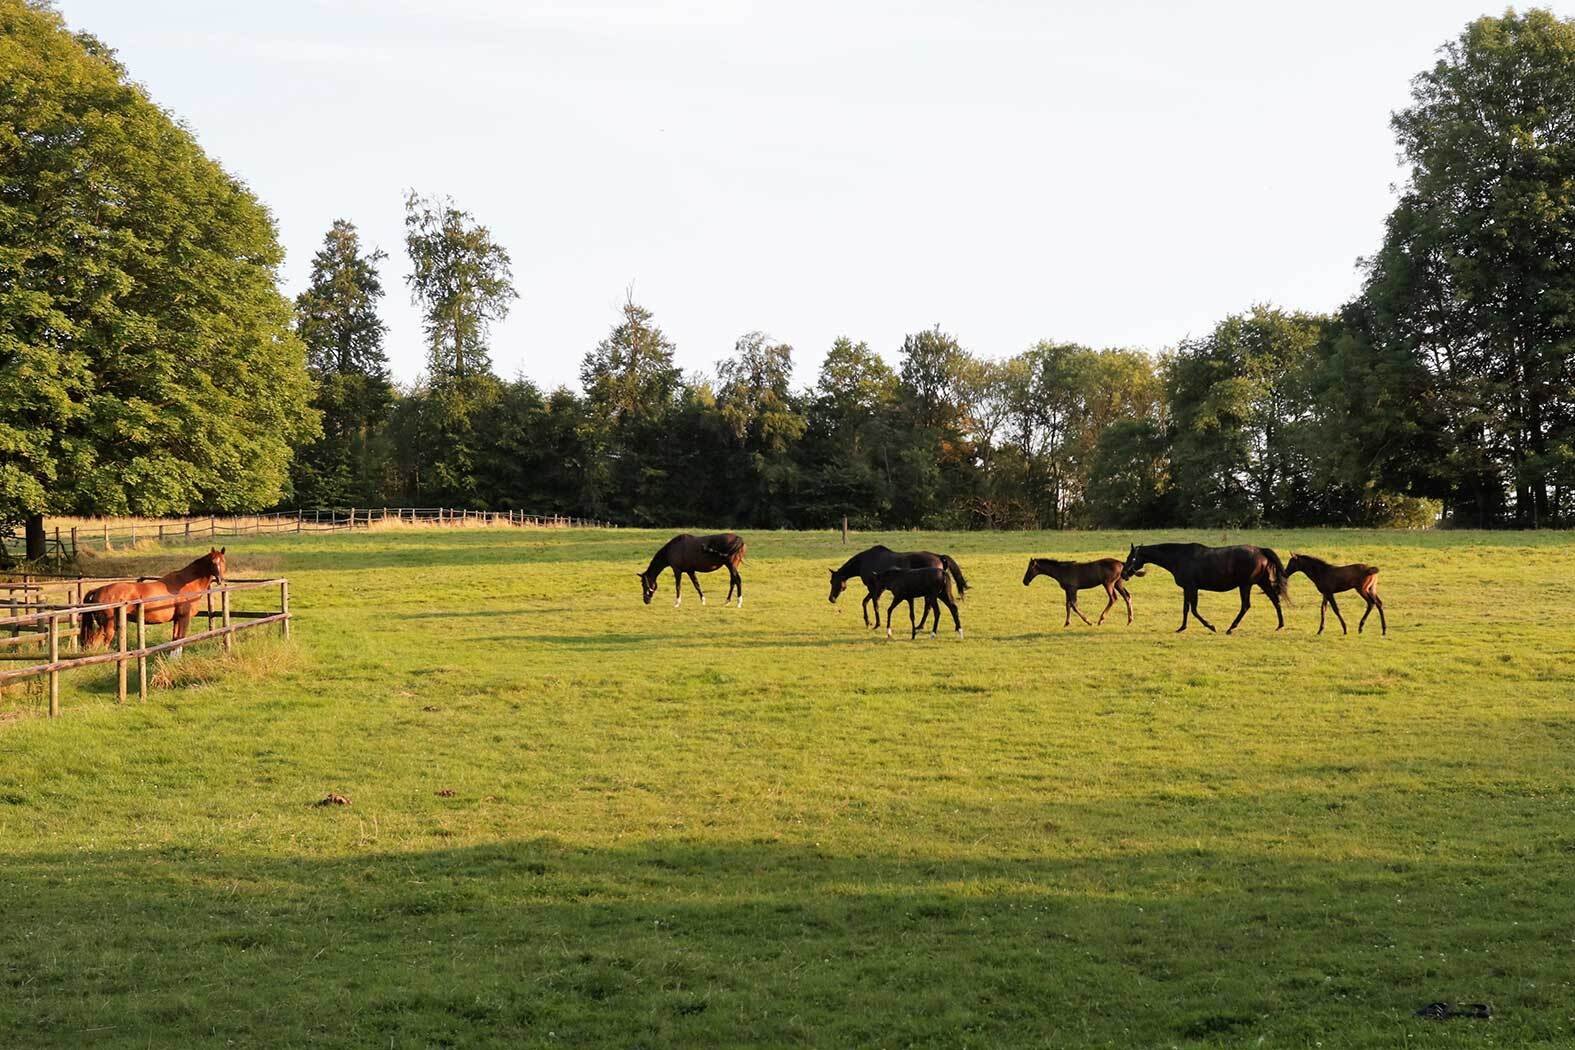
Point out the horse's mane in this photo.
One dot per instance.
(1312, 558)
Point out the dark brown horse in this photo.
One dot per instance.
(1199, 568)
(933, 584)
(1074, 576)
(162, 605)
(867, 565)
(1334, 579)
(692, 554)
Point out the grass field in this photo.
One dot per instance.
(706, 826)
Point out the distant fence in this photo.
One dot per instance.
(87, 535)
(36, 620)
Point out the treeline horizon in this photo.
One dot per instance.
(149, 363)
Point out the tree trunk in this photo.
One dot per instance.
(37, 540)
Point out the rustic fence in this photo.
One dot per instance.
(36, 620)
(68, 540)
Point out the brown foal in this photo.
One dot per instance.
(1074, 576)
(1333, 579)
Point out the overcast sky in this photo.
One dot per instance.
(1119, 173)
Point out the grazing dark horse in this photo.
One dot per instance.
(162, 605)
(1074, 576)
(1199, 568)
(868, 565)
(1333, 579)
(933, 584)
(692, 554)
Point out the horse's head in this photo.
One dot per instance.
(837, 586)
(1033, 570)
(1294, 566)
(1135, 561)
(647, 586)
(215, 560)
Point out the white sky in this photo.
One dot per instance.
(1117, 173)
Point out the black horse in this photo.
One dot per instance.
(933, 584)
(1199, 568)
(869, 564)
(692, 554)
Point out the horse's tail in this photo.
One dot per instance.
(957, 574)
(735, 551)
(93, 623)
(1277, 577)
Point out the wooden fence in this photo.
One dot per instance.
(35, 620)
(212, 528)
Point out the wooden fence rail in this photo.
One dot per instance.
(66, 541)
(45, 620)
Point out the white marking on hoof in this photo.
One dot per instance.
(888, 633)
(677, 602)
(702, 599)
(959, 632)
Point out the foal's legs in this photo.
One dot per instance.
(1246, 603)
(889, 609)
(864, 607)
(932, 608)
(1110, 594)
(693, 580)
(737, 581)
(913, 628)
(955, 620)
(1336, 607)
(1323, 608)
(1373, 601)
(1274, 600)
(1071, 605)
(1121, 589)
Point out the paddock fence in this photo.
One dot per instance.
(77, 534)
(44, 617)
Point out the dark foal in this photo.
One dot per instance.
(1335, 579)
(686, 554)
(1074, 576)
(934, 585)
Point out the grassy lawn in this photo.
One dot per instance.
(581, 821)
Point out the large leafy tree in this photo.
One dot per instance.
(1239, 410)
(765, 423)
(1476, 277)
(337, 319)
(848, 438)
(147, 361)
(461, 279)
(631, 385)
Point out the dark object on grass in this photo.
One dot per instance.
(1199, 568)
(332, 799)
(1333, 579)
(691, 554)
(444, 793)
(1448, 1012)
(1074, 576)
(869, 564)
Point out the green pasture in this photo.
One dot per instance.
(577, 820)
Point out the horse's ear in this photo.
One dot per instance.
(221, 550)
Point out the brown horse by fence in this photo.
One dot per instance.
(691, 554)
(163, 604)
(1199, 568)
(867, 565)
(1333, 579)
(1074, 576)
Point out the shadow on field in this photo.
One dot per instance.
(769, 943)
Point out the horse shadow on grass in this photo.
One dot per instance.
(687, 943)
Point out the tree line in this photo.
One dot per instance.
(149, 363)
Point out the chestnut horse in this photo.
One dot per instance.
(162, 606)
(692, 554)
(1074, 576)
(1333, 579)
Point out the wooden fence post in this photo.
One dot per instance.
(120, 664)
(106, 535)
(54, 675)
(161, 532)
(284, 607)
(224, 611)
(73, 542)
(133, 533)
(142, 656)
(188, 530)
(844, 530)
